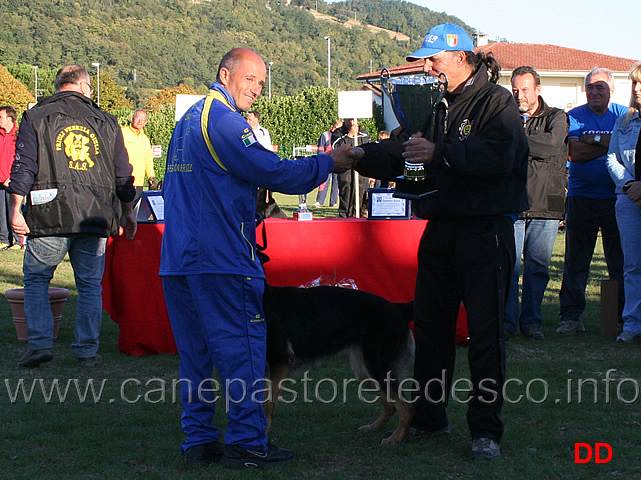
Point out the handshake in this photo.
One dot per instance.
(346, 157)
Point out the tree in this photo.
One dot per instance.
(25, 73)
(167, 97)
(13, 92)
(112, 96)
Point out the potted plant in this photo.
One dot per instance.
(15, 297)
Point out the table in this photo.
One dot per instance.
(132, 292)
(378, 255)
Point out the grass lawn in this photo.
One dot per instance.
(122, 419)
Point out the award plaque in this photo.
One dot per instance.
(384, 205)
(150, 207)
(413, 105)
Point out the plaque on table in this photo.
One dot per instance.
(150, 207)
(383, 205)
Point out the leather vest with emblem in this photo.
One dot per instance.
(74, 189)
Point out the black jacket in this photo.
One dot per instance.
(70, 162)
(547, 135)
(480, 164)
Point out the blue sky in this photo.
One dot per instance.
(602, 26)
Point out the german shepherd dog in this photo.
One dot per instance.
(266, 206)
(307, 324)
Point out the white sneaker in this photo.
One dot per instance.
(628, 337)
(485, 448)
(317, 205)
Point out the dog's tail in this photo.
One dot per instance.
(407, 310)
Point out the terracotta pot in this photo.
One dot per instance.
(15, 297)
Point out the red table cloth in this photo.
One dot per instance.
(378, 255)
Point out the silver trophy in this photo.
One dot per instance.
(413, 104)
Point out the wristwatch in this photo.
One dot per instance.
(597, 138)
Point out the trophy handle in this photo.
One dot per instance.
(388, 89)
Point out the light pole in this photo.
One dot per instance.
(97, 65)
(269, 74)
(329, 61)
(35, 72)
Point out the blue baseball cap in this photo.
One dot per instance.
(443, 38)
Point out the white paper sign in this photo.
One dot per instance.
(355, 104)
(183, 102)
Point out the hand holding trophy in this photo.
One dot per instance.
(413, 105)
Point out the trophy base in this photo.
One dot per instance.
(302, 215)
(414, 190)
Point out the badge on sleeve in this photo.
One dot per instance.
(465, 129)
(249, 139)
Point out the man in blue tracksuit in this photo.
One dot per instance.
(213, 282)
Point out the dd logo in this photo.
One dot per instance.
(587, 449)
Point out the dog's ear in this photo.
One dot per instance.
(263, 257)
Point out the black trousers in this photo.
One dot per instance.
(584, 217)
(346, 194)
(467, 260)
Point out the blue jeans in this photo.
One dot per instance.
(332, 179)
(583, 219)
(42, 256)
(534, 240)
(629, 220)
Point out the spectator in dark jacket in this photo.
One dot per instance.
(350, 182)
(73, 169)
(535, 230)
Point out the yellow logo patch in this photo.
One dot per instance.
(80, 145)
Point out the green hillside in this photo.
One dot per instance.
(145, 45)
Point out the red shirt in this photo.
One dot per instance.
(7, 151)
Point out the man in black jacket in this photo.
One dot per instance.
(351, 134)
(72, 166)
(475, 149)
(535, 230)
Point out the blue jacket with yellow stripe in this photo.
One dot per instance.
(214, 167)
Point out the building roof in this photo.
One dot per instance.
(540, 56)
(552, 57)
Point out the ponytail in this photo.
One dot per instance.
(493, 68)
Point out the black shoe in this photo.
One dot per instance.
(236, 456)
(205, 453)
(414, 433)
(534, 333)
(33, 358)
(90, 361)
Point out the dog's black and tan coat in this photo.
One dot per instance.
(307, 324)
